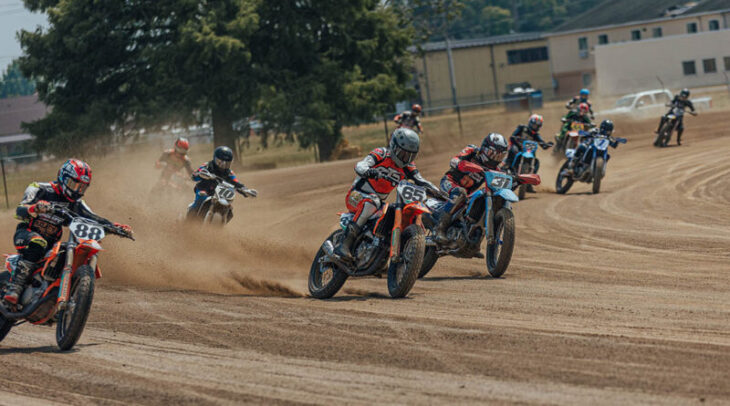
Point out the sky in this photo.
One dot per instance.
(14, 17)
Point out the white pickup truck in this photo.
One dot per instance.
(650, 103)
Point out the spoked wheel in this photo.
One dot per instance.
(325, 279)
(72, 319)
(499, 253)
(598, 174)
(5, 324)
(402, 275)
(563, 182)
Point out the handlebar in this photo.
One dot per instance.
(111, 229)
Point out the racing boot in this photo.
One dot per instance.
(19, 280)
(679, 137)
(446, 219)
(344, 249)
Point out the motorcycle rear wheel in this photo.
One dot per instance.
(499, 253)
(402, 275)
(5, 324)
(335, 277)
(72, 320)
(561, 188)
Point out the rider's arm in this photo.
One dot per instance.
(413, 174)
(398, 119)
(196, 174)
(369, 161)
(84, 211)
(188, 166)
(570, 103)
(161, 160)
(518, 131)
(690, 105)
(234, 179)
(24, 211)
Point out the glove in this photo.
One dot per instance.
(205, 175)
(124, 227)
(39, 208)
(372, 173)
(252, 192)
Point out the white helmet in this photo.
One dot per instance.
(404, 144)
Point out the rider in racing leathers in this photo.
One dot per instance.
(410, 119)
(683, 102)
(573, 103)
(377, 175)
(531, 131)
(40, 228)
(219, 166)
(579, 115)
(466, 175)
(605, 129)
(173, 160)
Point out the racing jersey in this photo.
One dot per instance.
(174, 162)
(524, 132)
(459, 172)
(410, 120)
(391, 175)
(208, 185)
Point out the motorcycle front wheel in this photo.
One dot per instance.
(5, 324)
(499, 253)
(72, 320)
(562, 182)
(402, 275)
(598, 174)
(325, 279)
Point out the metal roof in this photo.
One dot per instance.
(15, 110)
(480, 42)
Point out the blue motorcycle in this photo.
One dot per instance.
(586, 164)
(526, 162)
(486, 214)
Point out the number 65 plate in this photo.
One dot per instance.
(411, 193)
(83, 230)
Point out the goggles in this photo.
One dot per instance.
(222, 164)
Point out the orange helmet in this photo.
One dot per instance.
(583, 108)
(182, 145)
(416, 108)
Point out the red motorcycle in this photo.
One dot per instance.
(62, 289)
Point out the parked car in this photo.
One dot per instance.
(649, 103)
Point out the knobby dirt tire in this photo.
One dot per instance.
(497, 264)
(429, 260)
(559, 187)
(315, 276)
(68, 331)
(598, 174)
(413, 247)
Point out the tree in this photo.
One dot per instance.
(13, 83)
(327, 64)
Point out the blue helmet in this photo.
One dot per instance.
(585, 92)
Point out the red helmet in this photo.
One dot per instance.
(583, 108)
(74, 178)
(416, 108)
(535, 122)
(182, 145)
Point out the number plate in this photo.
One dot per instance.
(411, 193)
(225, 191)
(83, 230)
(601, 143)
(497, 180)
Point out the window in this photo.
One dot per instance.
(587, 79)
(709, 65)
(661, 98)
(727, 63)
(602, 39)
(714, 25)
(644, 100)
(657, 32)
(635, 35)
(527, 55)
(583, 47)
(689, 68)
(691, 28)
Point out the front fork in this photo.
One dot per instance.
(489, 218)
(63, 293)
(395, 238)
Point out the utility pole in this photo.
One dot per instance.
(515, 15)
(453, 82)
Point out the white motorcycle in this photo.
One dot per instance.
(216, 208)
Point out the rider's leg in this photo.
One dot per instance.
(364, 206)
(31, 247)
(200, 197)
(530, 188)
(661, 124)
(513, 151)
(457, 196)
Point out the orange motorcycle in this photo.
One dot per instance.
(62, 289)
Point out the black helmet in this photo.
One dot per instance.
(493, 149)
(607, 127)
(684, 93)
(222, 158)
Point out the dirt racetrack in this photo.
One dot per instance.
(616, 298)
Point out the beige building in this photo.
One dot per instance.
(704, 60)
(484, 69)
(574, 45)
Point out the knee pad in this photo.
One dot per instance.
(35, 250)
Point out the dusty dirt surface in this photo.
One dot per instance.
(616, 298)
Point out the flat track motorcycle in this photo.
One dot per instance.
(217, 208)
(670, 125)
(62, 289)
(392, 241)
(590, 167)
(486, 214)
(525, 162)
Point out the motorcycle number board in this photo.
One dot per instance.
(225, 191)
(411, 193)
(497, 180)
(83, 230)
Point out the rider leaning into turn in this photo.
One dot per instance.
(173, 160)
(464, 177)
(683, 102)
(377, 175)
(219, 166)
(605, 129)
(531, 131)
(573, 103)
(40, 229)
(579, 115)
(410, 119)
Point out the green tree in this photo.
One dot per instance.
(13, 83)
(328, 64)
